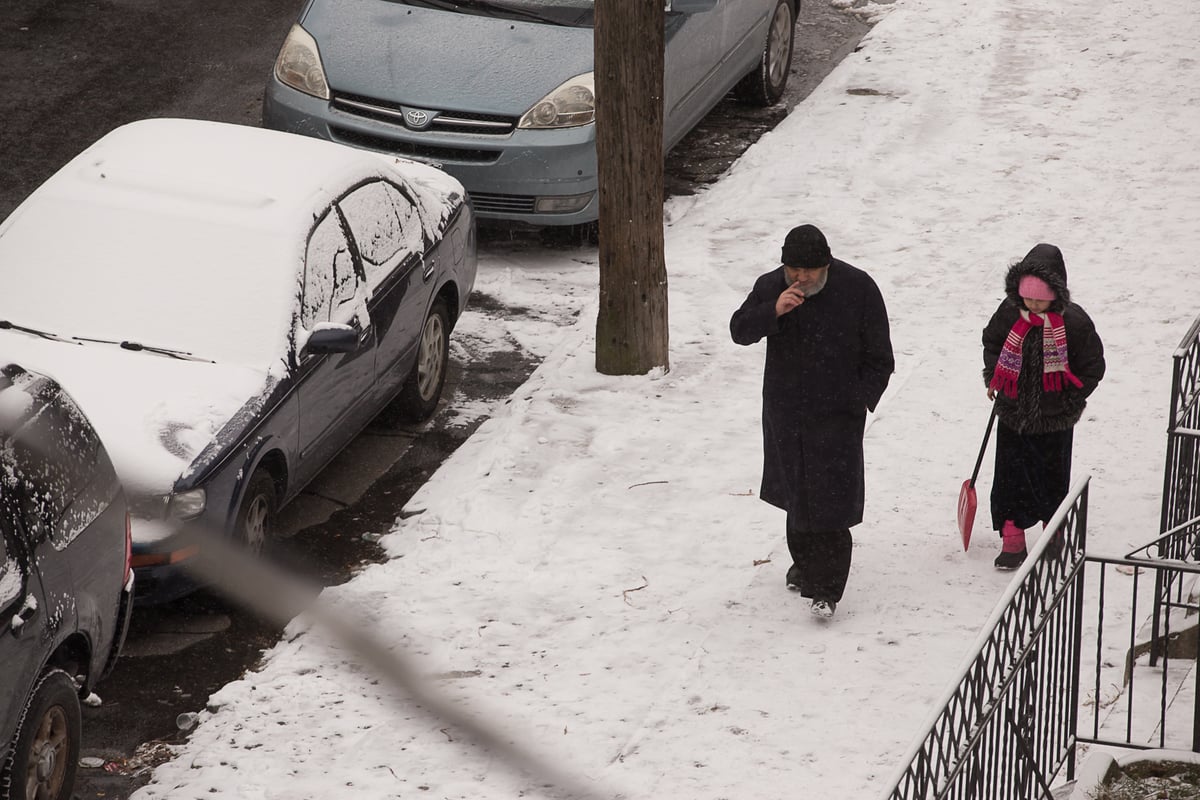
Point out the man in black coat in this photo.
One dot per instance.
(829, 358)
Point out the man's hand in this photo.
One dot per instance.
(991, 393)
(791, 297)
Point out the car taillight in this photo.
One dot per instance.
(128, 550)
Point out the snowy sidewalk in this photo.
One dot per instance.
(593, 570)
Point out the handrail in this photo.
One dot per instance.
(1006, 643)
(1008, 705)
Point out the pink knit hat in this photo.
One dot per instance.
(1035, 288)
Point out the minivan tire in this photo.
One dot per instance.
(46, 750)
(764, 85)
(422, 388)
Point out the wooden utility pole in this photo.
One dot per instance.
(631, 329)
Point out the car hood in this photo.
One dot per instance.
(441, 59)
(154, 414)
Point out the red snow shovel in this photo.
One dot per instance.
(967, 501)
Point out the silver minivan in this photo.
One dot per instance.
(499, 93)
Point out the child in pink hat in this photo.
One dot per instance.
(1042, 358)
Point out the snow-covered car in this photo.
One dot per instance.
(65, 581)
(499, 93)
(231, 306)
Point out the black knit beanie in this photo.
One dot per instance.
(805, 248)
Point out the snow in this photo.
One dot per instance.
(11, 580)
(592, 572)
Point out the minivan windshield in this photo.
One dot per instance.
(569, 13)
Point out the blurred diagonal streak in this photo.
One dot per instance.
(278, 596)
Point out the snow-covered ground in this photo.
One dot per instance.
(593, 573)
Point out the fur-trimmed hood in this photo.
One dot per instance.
(1044, 261)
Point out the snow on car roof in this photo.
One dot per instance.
(178, 234)
(183, 234)
(220, 163)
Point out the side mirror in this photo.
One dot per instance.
(331, 337)
(690, 6)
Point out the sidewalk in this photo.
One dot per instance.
(593, 571)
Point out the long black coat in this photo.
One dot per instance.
(828, 362)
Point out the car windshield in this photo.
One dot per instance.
(222, 291)
(569, 13)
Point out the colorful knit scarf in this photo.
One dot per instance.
(1054, 355)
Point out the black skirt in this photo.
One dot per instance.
(1032, 477)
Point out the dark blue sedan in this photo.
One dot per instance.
(231, 306)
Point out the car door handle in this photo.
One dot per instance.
(429, 266)
(27, 612)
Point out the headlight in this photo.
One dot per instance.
(299, 64)
(187, 505)
(571, 104)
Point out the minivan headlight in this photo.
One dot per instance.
(187, 505)
(299, 64)
(571, 104)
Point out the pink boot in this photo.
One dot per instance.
(1012, 548)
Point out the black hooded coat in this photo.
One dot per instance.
(1033, 410)
(828, 361)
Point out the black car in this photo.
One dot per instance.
(232, 306)
(65, 580)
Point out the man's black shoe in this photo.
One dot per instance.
(793, 578)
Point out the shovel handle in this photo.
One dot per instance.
(983, 447)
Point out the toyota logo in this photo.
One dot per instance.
(416, 119)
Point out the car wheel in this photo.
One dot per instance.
(46, 749)
(255, 524)
(764, 84)
(423, 388)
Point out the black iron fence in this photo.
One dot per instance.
(1137, 701)
(1181, 481)
(1009, 725)
(1166, 657)
(1015, 718)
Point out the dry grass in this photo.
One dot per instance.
(1151, 780)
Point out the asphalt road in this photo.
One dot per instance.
(71, 70)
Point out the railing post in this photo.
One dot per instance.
(1077, 636)
(1154, 616)
(1196, 701)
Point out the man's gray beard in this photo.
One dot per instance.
(816, 289)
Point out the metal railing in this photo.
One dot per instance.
(1007, 728)
(1181, 478)
(1174, 559)
(1139, 715)
(1012, 722)
(1181, 481)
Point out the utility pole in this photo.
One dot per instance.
(631, 328)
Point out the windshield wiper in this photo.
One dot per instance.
(5, 325)
(182, 355)
(491, 9)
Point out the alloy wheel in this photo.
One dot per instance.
(256, 523)
(780, 45)
(432, 358)
(48, 755)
